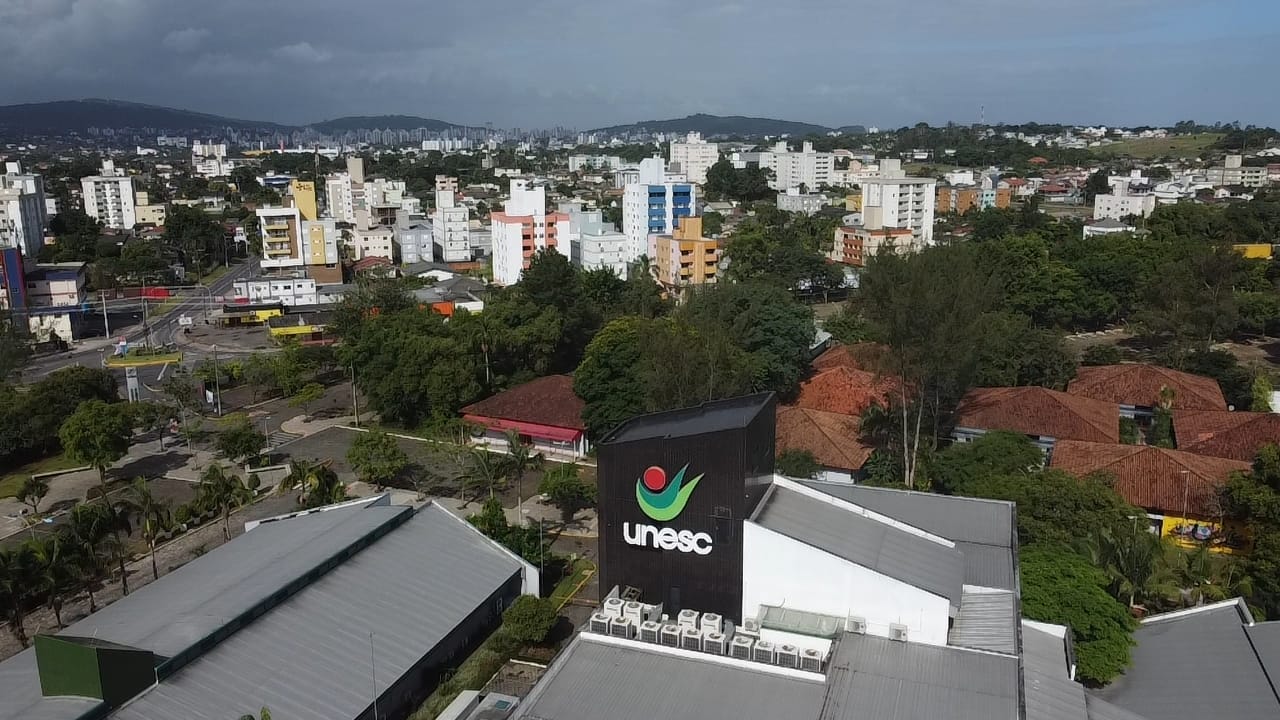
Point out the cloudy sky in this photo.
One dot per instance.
(589, 63)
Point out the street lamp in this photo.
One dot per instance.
(217, 380)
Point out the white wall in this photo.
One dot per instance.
(784, 572)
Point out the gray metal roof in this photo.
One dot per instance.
(1100, 709)
(1051, 694)
(986, 621)
(982, 529)
(730, 414)
(1265, 638)
(310, 656)
(874, 678)
(1195, 665)
(871, 543)
(593, 679)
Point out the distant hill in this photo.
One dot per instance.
(382, 122)
(721, 125)
(66, 116)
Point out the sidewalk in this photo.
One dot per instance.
(301, 426)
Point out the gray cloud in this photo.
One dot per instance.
(586, 64)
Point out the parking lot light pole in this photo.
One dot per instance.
(217, 380)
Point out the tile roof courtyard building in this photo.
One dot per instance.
(1137, 388)
(1044, 415)
(1234, 435)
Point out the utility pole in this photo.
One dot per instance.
(217, 380)
(355, 403)
(106, 321)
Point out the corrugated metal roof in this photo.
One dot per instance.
(20, 693)
(593, 680)
(1100, 709)
(310, 656)
(982, 529)
(873, 544)
(987, 621)
(1051, 694)
(1195, 665)
(874, 678)
(1265, 638)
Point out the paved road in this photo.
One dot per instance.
(89, 352)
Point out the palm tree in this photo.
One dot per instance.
(51, 571)
(265, 714)
(15, 590)
(485, 470)
(521, 459)
(89, 535)
(319, 484)
(1132, 558)
(226, 492)
(154, 517)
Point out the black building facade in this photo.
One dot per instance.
(674, 490)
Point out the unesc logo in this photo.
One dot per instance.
(663, 501)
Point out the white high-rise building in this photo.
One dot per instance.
(521, 229)
(894, 200)
(808, 167)
(695, 157)
(594, 243)
(22, 210)
(652, 206)
(109, 198)
(210, 160)
(450, 229)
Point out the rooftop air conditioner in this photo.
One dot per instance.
(741, 647)
(687, 619)
(751, 626)
(714, 642)
(599, 623)
(897, 632)
(713, 622)
(690, 639)
(856, 625)
(811, 660)
(613, 607)
(763, 652)
(669, 635)
(622, 627)
(634, 611)
(649, 631)
(787, 656)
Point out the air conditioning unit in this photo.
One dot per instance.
(763, 652)
(613, 607)
(713, 622)
(741, 647)
(669, 635)
(714, 642)
(811, 660)
(687, 619)
(690, 639)
(750, 626)
(787, 656)
(897, 632)
(599, 623)
(634, 611)
(856, 625)
(649, 631)
(622, 627)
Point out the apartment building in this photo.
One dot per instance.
(303, 194)
(51, 296)
(209, 160)
(653, 205)
(376, 241)
(1118, 207)
(580, 163)
(894, 200)
(794, 201)
(1234, 172)
(684, 257)
(290, 291)
(695, 157)
(595, 244)
(853, 244)
(450, 228)
(808, 167)
(147, 212)
(109, 197)
(24, 209)
(960, 200)
(523, 228)
(414, 236)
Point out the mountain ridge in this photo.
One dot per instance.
(721, 125)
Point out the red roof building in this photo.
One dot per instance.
(844, 390)
(1221, 434)
(545, 412)
(1044, 414)
(833, 439)
(1139, 387)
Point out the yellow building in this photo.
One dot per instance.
(1254, 251)
(304, 198)
(685, 257)
(853, 203)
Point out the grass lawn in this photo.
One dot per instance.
(214, 274)
(11, 481)
(572, 581)
(1176, 146)
(132, 360)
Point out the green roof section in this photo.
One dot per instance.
(92, 668)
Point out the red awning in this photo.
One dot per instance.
(533, 430)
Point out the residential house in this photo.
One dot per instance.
(1044, 415)
(1179, 490)
(1217, 433)
(1108, 226)
(544, 412)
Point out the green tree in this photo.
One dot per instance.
(1133, 560)
(319, 484)
(529, 619)
(153, 514)
(377, 458)
(1101, 355)
(521, 458)
(32, 492)
(15, 590)
(609, 378)
(847, 327)
(797, 464)
(486, 471)
(1096, 185)
(1061, 587)
(307, 395)
(1053, 507)
(1261, 394)
(90, 533)
(97, 434)
(997, 454)
(712, 223)
(567, 491)
(51, 572)
(260, 375)
(225, 491)
(239, 438)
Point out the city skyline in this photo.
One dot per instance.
(1119, 62)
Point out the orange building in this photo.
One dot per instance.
(685, 257)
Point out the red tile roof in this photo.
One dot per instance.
(1138, 384)
(1156, 479)
(859, 356)
(833, 438)
(844, 390)
(546, 401)
(1235, 435)
(1039, 411)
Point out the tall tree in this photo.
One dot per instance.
(153, 514)
(521, 459)
(319, 484)
(225, 491)
(52, 572)
(15, 590)
(32, 492)
(97, 434)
